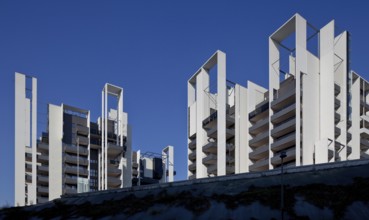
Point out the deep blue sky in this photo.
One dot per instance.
(150, 48)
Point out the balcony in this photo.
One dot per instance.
(112, 171)
(284, 142)
(210, 159)
(349, 149)
(192, 144)
(41, 199)
(42, 179)
(211, 121)
(260, 165)
(284, 114)
(230, 160)
(73, 170)
(28, 178)
(82, 140)
(337, 117)
(75, 149)
(192, 167)
(70, 179)
(259, 126)
(212, 169)
(213, 133)
(28, 167)
(337, 131)
(70, 190)
(260, 152)
(75, 160)
(290, 155)
(284, 99)
(230, 147)
(114, 182)
(284, 128)
(42, 158)
(192, 156)
(364, 133)
(43, 190)
(230, 169)
(28, 157)
(260, 139)
(364, 144)
(210, 147)
(364, 104)
(349, 136)
(114, 150)
(95, 142)
(260, 112)
(83, 130)
(337, 103)
(42, 169)
(134, 165)
(134, 172)
(114, 163)
(337, 89)
(42, 147)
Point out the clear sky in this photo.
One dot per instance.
(151, 49)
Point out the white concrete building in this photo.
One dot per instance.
(74, 155)
(315, 109)
(25, 174)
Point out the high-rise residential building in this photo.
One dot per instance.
(75, 154)
(315, 109)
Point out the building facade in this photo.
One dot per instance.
(315, 109)
(75, 154)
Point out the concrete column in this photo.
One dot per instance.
(55, 151)
(327, 112)
(241, 133)
(221, 108)
(19, 140)
(202, 111)
(301, 68)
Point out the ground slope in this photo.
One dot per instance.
(328, 191)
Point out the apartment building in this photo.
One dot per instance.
(151, 168)
(315, 109)
(75, 154)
